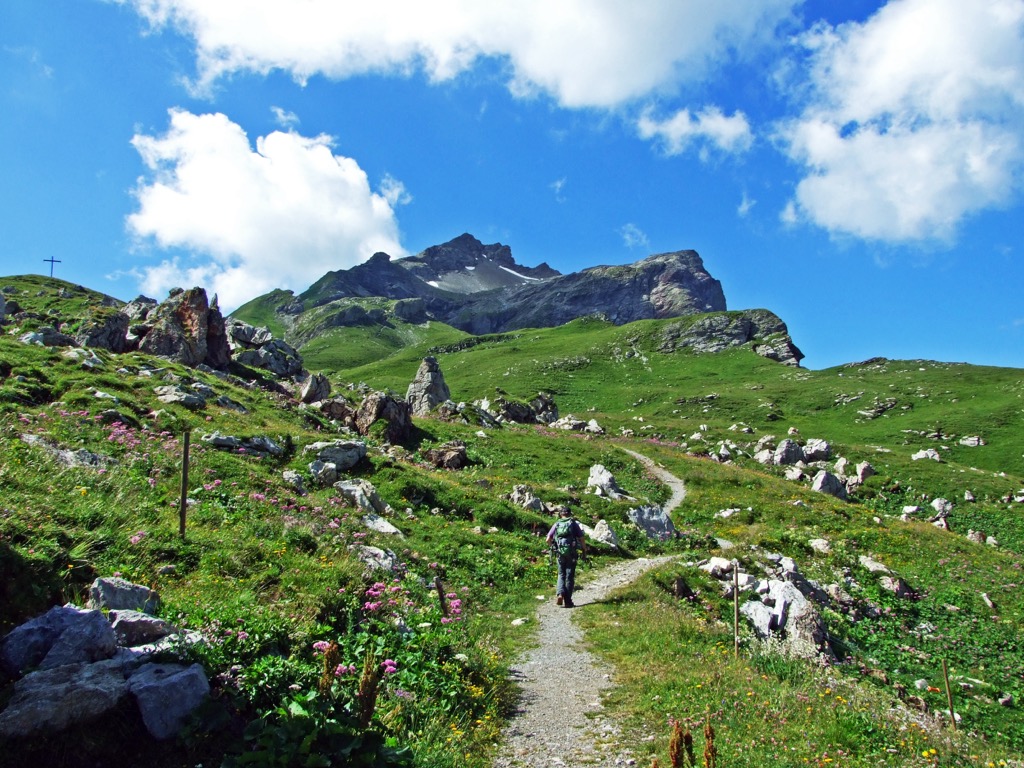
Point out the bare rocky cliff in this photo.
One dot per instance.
(661, 286)
(481, 289)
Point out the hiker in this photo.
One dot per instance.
(566, 541)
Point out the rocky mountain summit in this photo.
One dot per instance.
(481, 289)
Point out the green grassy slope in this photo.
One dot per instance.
(262, 559)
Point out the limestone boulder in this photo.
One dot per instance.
(523, 496)
(817, 449)
(513, 411)
(167, 694)
(378, 524)
(180, 329)
(363, 495)
(601, 533)
(451, 455)
(55, 699)
(138, 309)
(105, 332)
(294, 479)
(785, 613)
(343, 454)
(788, 452)
(428, 389)
(47, 336)
(604, 484)
(218, 350)
(653, 521)
(316, 388)
(63, 635)
(826, 482)
(117, 594)
(276, 356)
(243, 336)
(544, 408)
(569, 423)
(375, 559)
(132, 628)
(338, 409)
(896, 585)
(395, 413)
(176, 394)
(324, 472)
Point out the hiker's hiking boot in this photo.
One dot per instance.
(558, 600)
(569, 603)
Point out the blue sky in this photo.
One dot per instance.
(855, 167)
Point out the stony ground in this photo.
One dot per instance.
(561, 720)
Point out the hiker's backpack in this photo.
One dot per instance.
(565, 536)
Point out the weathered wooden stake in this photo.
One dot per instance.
(949, 695)
(184, 486)
(440, 595)
(736, 608)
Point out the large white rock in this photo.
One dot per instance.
(653, 521)
(872, 566)
(817, 449)
(788, 452)
(603, 483)
(344, 454)
(363, 495)
(602, 533)
(826, 482)
(428, 389)
(377, 523)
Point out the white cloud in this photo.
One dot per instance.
(709, 128)
(285, 118)
(746, 204)
(788, 215)
(633, 236)
(557, 186)
(585, 53)
(394, 191)
(915, 119)
(277, 217)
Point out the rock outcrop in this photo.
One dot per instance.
(428, 389)
(660, 286)
(764, 330)
(187, 329)
(395, 413)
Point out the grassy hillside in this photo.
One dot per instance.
(346, 333)
(266, 573)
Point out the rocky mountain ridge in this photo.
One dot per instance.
(481, 289)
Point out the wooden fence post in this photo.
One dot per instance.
(184, 485)
(736, 608)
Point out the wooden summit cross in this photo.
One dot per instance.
(52, 262)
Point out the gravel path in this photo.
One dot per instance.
(560, 720)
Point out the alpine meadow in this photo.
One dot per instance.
(347, 566)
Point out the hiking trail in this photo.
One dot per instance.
(559, 719)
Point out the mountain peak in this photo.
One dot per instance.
(465, 265)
